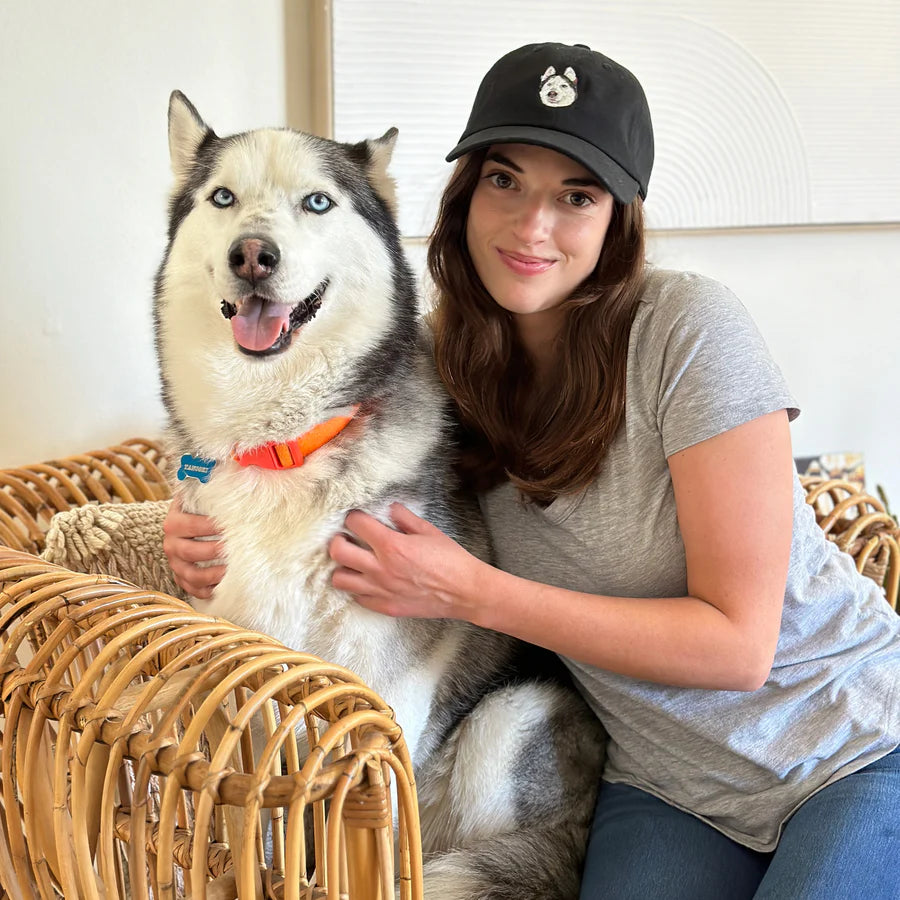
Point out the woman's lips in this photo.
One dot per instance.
(525, 265)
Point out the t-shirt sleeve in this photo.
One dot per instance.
(705, 367)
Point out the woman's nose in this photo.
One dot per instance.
(532, 222)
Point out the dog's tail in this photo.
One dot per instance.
(507, 801)
(533, 864)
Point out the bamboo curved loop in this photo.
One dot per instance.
(860, 525)
(30, 495)
(148, 747)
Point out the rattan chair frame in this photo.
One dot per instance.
(130, 718)
(860, 525)
(209, 712)
(31, 495)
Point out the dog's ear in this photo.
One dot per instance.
(379, 152)
(187, 131)
(570, 74)
(550, 71)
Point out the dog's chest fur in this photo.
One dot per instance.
(276, 526)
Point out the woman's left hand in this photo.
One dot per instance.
(416, 570)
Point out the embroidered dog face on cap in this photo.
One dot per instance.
(559, 90)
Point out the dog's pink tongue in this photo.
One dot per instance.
(258, 324)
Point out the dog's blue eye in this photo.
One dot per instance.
(318, 203)
(222, 198)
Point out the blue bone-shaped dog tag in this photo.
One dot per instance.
(195, 467)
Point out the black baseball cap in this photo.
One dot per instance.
(571, 99)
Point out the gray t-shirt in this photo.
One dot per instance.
(742, 761)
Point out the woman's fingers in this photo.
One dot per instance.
(366, 527)
(180, 524)
(196, 581)
(408, 522)
(184, 552)
(373, 532)
(349, 580)
(195, 551)
(180, 533)
(350, 555)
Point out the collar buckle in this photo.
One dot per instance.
(287, 455)
(292, 454)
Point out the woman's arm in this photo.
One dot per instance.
(733, 496)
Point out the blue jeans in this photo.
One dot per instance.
(842, 844)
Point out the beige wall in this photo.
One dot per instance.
(84, 180)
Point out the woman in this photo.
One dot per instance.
(628, 435)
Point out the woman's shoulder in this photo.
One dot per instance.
(678, 300)
(698, 357)
(671, 289)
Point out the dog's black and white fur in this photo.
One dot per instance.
(507, 763)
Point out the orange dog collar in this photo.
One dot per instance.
(293, 453)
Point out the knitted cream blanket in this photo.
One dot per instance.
(119, 539)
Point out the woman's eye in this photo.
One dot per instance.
(222, 198)
(501, 179)
(577, 198)
(317, 203)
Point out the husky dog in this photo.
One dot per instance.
(299, 386)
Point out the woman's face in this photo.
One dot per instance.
(537, 221)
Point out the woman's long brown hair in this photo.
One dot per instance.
(548, 437)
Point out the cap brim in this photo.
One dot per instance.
(613, 177)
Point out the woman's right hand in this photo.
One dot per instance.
(184, 551)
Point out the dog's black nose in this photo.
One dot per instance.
(253, 258)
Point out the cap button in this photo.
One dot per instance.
(583, 46)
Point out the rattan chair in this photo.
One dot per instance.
(861, 526)
(148, 748)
